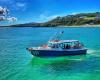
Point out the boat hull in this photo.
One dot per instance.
(57, 53)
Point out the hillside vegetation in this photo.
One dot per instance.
(69, 20)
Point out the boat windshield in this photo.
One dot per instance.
(66, 45)
(53, 45)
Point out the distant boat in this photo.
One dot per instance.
(56, 47)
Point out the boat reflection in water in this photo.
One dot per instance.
(48, 60)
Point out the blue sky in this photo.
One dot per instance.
(44, 10)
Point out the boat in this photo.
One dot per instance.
(57, 48)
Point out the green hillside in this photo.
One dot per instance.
(69, 20)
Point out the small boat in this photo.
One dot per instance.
(57, 48)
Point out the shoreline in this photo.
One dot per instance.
(82, 26)
(66, 26)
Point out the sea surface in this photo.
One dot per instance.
(16, 63)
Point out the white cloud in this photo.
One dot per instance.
(74, 13)
(4, 0)
(0, 7)
(3, 11)
(7, 2)
(45, 17)
(15, 5)
(20, 4)
(4, 15)
(2, 18)
(11, 19)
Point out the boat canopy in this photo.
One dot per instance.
(65, 44)
(63, 41)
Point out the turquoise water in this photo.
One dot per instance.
(16, 63)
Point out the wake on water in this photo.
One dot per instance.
(92, 52)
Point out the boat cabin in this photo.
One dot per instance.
(65, 44)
